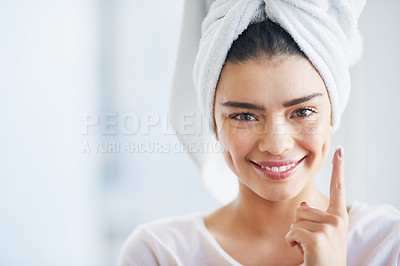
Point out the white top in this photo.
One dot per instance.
(373, 239)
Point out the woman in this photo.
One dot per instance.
(273, 109)
(262, 82)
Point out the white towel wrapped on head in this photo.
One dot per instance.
(326, 31)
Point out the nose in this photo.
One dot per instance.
(276, 139)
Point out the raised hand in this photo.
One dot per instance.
(320, 235)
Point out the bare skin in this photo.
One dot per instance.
(256, 228)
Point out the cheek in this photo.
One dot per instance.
(318, 141)
(236, 146)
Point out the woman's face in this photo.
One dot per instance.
(273, 119)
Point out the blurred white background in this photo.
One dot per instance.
(61, 60)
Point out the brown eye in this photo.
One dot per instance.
(303, 112)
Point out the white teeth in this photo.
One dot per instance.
(289, 166)
(282, 168)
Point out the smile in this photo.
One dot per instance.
(277, 170)
(280, 169)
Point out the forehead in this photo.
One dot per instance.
(276, 79)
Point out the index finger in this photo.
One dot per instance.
(337, 199)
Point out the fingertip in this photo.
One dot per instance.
(339, 152)
(290, 242)
(304, 204)
(338, 156)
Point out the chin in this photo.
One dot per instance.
(279, 191)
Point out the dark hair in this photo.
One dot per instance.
(261, 39)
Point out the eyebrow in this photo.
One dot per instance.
(243, 105)
(301, 99)
(252, 106)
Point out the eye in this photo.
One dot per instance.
(245, 117)
(304, 112)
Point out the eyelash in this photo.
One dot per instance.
(236, 115)
(311, 109)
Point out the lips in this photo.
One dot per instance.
(277, 170)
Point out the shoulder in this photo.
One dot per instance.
(155, 242)
(374, 235)
(376, 220)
